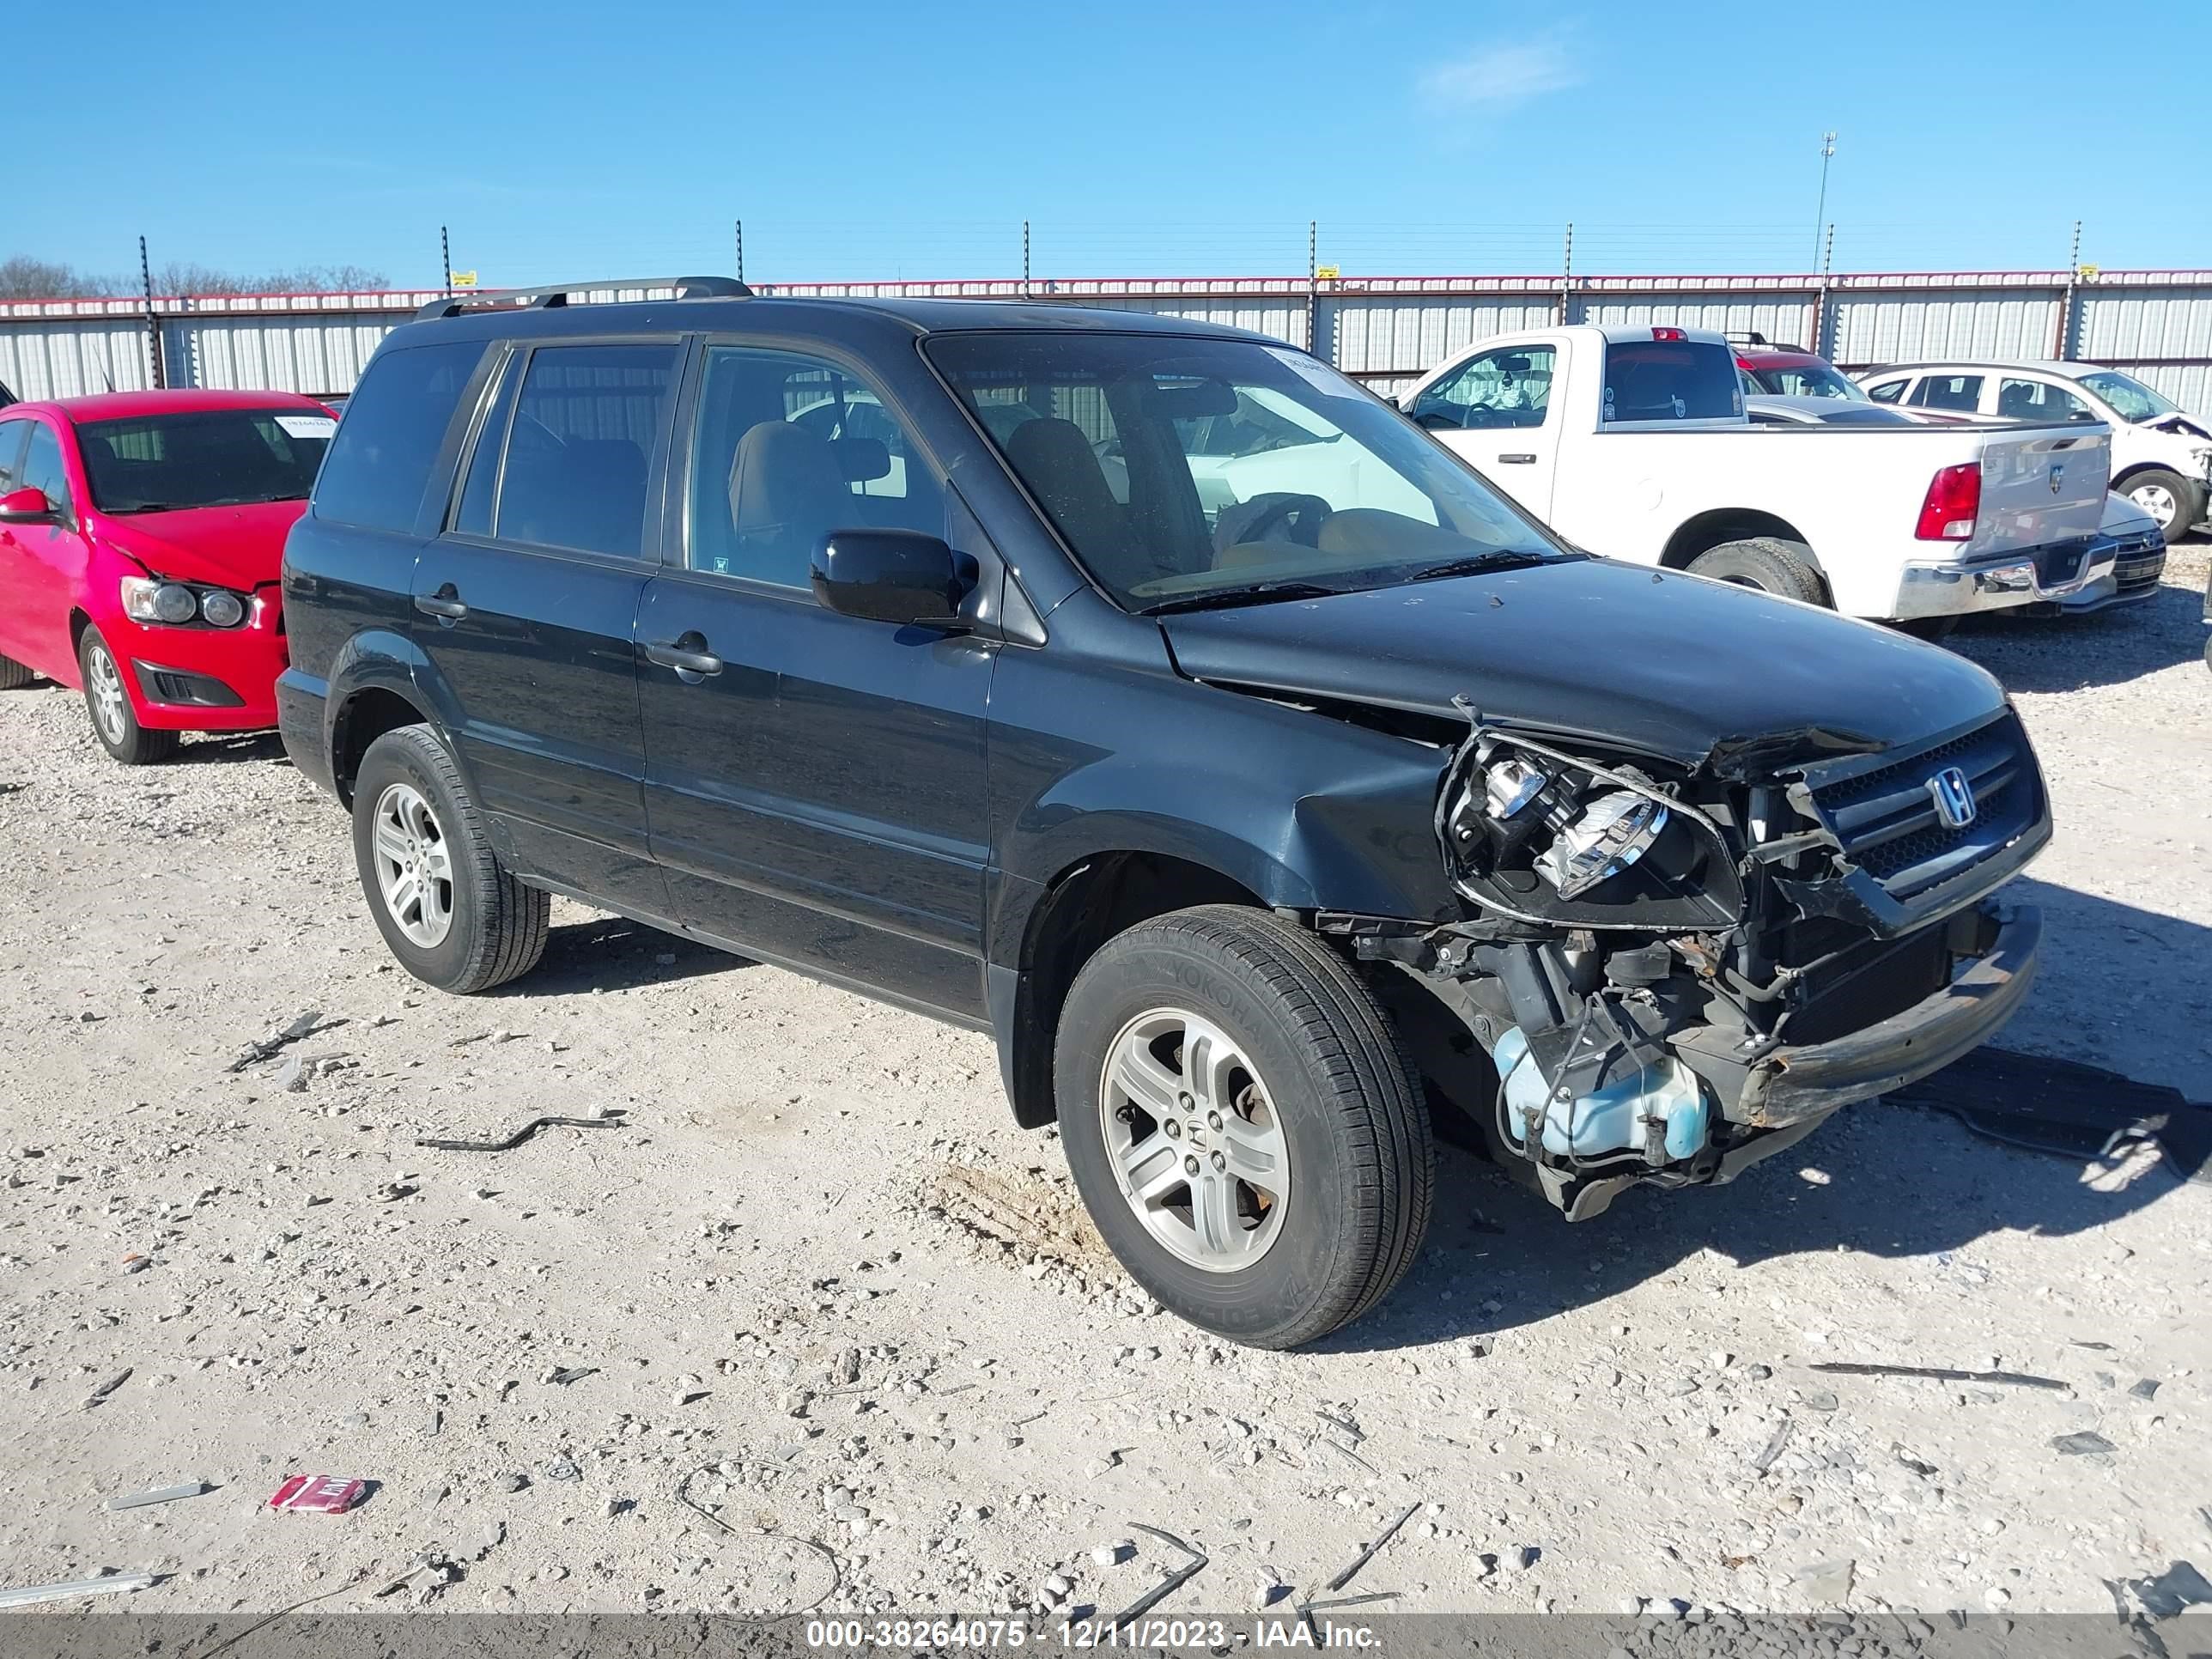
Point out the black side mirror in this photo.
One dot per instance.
(1438, 420)
(28, 505)
(899, 576)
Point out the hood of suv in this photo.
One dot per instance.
(240, 547)
(1669, 665)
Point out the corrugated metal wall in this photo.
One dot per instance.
(2156, 325)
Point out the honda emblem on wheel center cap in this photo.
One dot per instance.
(1953, 797)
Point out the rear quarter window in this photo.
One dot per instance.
(379, 462)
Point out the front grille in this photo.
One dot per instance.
(1887, 818)
(2140, 564)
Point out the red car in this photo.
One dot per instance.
(141, 534)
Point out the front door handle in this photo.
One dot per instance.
(445, 604)
(688, 656)
(1517, 460)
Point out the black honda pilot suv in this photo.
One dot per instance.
(1155, 698)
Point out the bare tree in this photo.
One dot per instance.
(187, 278)
(25, 277)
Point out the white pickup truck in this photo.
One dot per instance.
(1633, 442)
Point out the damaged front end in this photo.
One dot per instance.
(1665, 973)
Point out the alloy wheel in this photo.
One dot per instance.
(110, 705)
(414, 866)
(1196, 1145)
(2156, 499)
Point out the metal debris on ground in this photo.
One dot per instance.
(1175, 1580)
(2167, 1596)
(2147, 1388)
(2066, 1108)
(1381, 1539)
(264, 1048)
(836, 1569)
(318, 1494)
(108, 1586)
(568, 1374)
(139, 1500)
(2086, 1442)
(107, 1388)
(1938, 1373)
(613, 1119)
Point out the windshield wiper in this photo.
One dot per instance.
(144, 507)
(1254, 593)
(1502, 558)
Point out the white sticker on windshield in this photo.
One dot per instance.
(307, 426)
(1321, 378)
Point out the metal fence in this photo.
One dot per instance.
(1387, 330)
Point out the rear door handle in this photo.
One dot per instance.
(687, 655)
(1517, 460)
(445, 604)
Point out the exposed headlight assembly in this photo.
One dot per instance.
(1542, 835)
(1613, 831)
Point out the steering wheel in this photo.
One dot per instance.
(1298, 515)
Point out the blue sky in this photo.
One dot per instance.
(574, 137)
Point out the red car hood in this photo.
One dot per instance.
(240, 547)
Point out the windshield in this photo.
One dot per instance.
(1806, 381)
(2132, 400)
(1183, 470)
(203, 458)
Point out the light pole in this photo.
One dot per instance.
(1827, 152)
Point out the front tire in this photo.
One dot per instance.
(107, 699)
(1294, 1190)
(453, 915)
(2170, 499)
(1768, 563)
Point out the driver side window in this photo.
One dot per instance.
(1507, 388)
(12, 433)
(42, 468)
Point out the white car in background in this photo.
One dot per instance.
(2162, 453)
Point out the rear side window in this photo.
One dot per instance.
(2038, 400)
(1886, 392)
(1959, 392)
(579, 446)
(379, 462)
(1670, 381)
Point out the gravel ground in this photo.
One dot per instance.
(814, 1324)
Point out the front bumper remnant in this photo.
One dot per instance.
(1790, 1084)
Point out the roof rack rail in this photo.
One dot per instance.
(549, 294)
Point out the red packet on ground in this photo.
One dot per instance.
(318, 1494)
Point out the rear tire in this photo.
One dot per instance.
(108, 701)
(453, 915)
(1768, 563)
(2169, 498)
(1295, 1195)
(14, 677)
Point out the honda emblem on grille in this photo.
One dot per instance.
(2056, 474)
(1953, 797)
